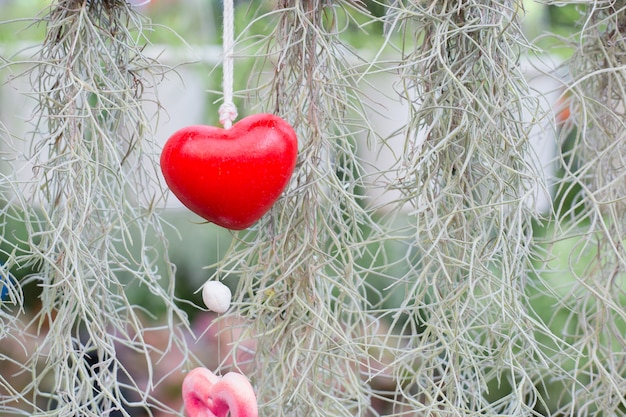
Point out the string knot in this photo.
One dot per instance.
(228, 113)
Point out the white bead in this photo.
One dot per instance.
(216, 296)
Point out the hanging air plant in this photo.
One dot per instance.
(428, 285)
(89, 208)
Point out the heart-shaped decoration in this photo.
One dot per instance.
(208, 395)
(231, 177)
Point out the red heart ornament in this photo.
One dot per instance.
(231, 177)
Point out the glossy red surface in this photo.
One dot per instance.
(231, 177)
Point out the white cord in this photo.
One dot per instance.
(134, 3)
(228, 111)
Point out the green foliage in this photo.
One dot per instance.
(449, 295)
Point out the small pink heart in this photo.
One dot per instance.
(208, 395)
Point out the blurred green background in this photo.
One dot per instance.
(185, 32)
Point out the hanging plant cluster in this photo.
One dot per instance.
(387, 268)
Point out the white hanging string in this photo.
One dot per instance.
(138, 3)
(228, 111)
